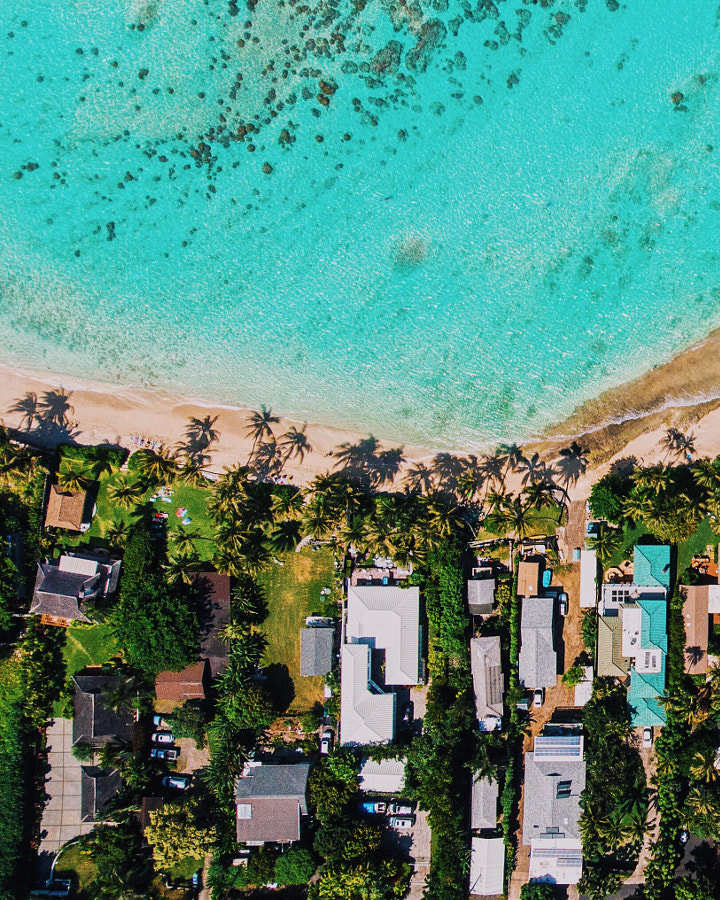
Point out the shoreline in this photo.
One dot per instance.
(629, 420)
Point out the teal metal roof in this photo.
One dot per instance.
(643, 701)
(652, 566)
(653, 627)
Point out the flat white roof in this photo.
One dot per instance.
(588, 579)
(487, 866)
(631, 626)
(77, 565)
(385, 776)
(583, 690)
(557, 860)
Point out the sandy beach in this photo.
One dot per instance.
(629, 421)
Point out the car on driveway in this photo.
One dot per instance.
(563, 604)
(179, 782)
(399, 809)
(373, 807)
(647, 740)
(538, 698)
(167, 753)
(407, 714)
(163, 737)
(401, 823)
(326, 742)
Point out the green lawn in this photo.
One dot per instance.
(695, 545)
(86, 645)
(189, 497)
(186, 868)
(293, 592)
(631, 535)
(75, 865)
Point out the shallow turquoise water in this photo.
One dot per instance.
(470, 252)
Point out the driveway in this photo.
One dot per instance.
(62, 816)
(414, 847)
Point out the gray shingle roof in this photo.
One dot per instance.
(316, 650)
(59, 593)
(487, 676)
(481, 596)
(538, 659)
(543, 809)
(97, 787)
(93, 721)
(484, 804)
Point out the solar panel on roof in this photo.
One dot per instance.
(565, 745)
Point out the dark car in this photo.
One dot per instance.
(407, 713)
(179, 782)
(167, 753)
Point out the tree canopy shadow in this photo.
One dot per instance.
(366, 463)
(280, 686)
(46, 419)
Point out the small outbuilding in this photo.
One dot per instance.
(316, 650)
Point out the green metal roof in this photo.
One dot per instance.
(653, 628)
(643, 701)
(610, 661)
(652, 565)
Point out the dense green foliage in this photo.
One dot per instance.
(190, 721)
(295, 866)
(440, 761)
(333, 783)
(538, 891)
(607, 498)
(615, 800)
(97, 458)
(122, 862)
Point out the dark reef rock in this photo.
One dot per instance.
(432, 34)
(387, 60)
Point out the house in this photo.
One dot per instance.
(481, 595)
(696, 616)
(270, 801)
(588, 579)
(484, 803)
(632, 633)
(538, 659)
(189, 683)
(554, 780)
(529, 577)
(487, 867)
(381, 651)
(93, 722)
(385, 776)
(215, 615)
(97, 788)
(67, 510)
(63, 586)
(487, 682)
(317, 643)
(367, 714)
(387, 618)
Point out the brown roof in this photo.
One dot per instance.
(696, 618)
(529, 578)
(271, 819)
(188, 684)
(65, 509)
(215, 615)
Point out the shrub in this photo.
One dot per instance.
(607, 498)
(538, 891)
(296, 866)
(83, 751)
(573, 676)
(189, 721)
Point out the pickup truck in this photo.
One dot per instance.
(373, 807)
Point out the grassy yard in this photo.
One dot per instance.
(695, 545)
(86, 645)
(79, 868)
(293, 592)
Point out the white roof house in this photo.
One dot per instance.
(538, 659)
(487, 866)
(385, 776)
(487, 676)
(484, 803)
(367, 716)
(588, 579)
(387, 617)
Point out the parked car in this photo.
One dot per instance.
(179, 782)
(563, 604)
(399, 809)
(157, 721)
(169, 754)
(373, 807)
(401, 823)
(684, 835)
(326, 742)
(163, 737)
(407, 713)
(647, 737)
(538, 697)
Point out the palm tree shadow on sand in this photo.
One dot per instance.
(45, 420)
(366, 464)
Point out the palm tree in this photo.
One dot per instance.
(532, 468)
(295, 444)
(706, 473)
(54, 408)
(702, 765)
(287, 504)
(126, 494)
(606, 543)
(513, 456)
(123, 696)
(181, 567)
(73, 482)
(538, 494)
(156, 466)
(191, 473)
(260, 427)
(511, 518)
(117, 533)
(184, 540)
(638, 506)
(572, 463)
(28, 408)
(470, 484)
(285, 536)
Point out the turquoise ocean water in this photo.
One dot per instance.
(444, 222)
